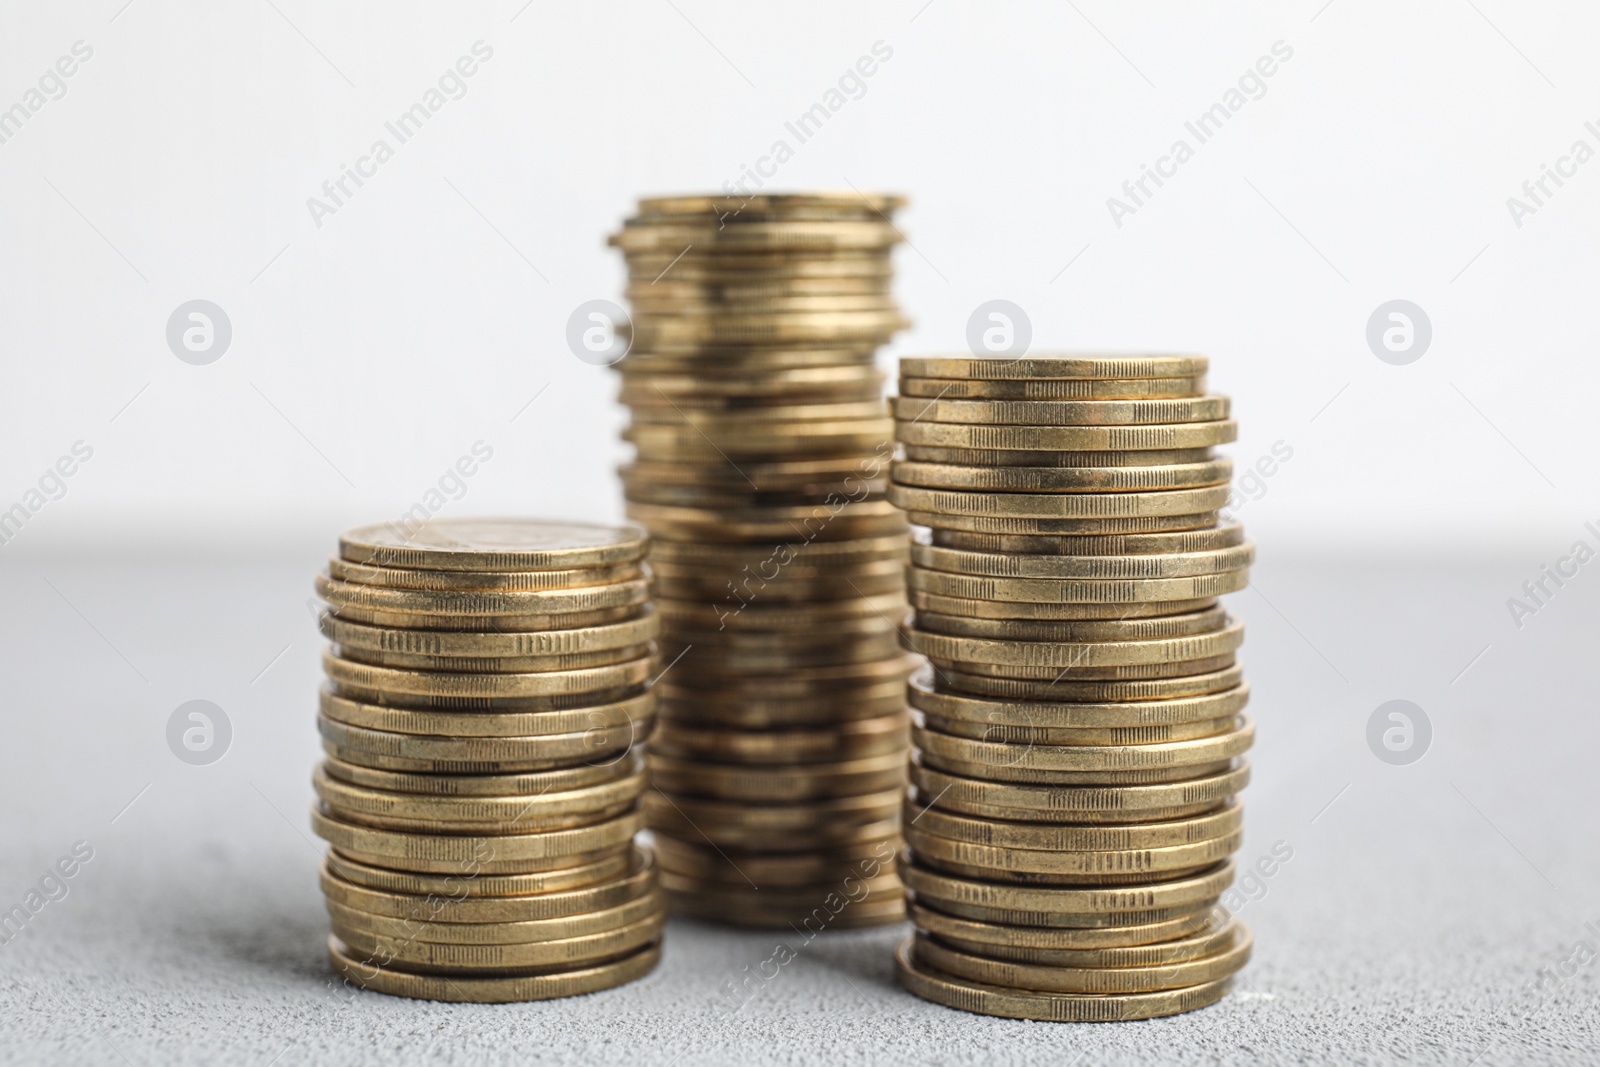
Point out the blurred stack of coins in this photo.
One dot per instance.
(1077, 734)
(762, 455)
(486, 687)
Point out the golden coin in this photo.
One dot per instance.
(864, 737)
(801, 682)
(1222, 823)
(473, 581)
(537, 783)
(493, 545)
(1052, 388)
(1094, 980)
(1100, 866)
(1001, 759)
(1067, 689)
(777, 329)
(737, 420)
(621, 715)
(1131, 629)
(1025, 611)
(586, 599)
(775, 783)
(1077, 735)
(1076, 590)
(842, 518)
(845, 886)
(824, 204)
(825, 710)
(802, 553)
(1078, 654)
(955, 670)
(718, 661)
(752, 910)
(475, 814)
(597, 745)
(775, 440)
(1066, 438)
(1059, 505)
(424, 927)
(443, 854)
(1216, 935)
(1132, 712)
(435, 956)
(473, 989)
(343, 673)
(712, 865)
(771, 826)
(789, 588)
(735, 359)
(728, 230)
(499, 624)
(1043, 943)
(1207, 409)
(1128, 568)
(777, 616)
(1062, 479)
(1064, 902)
(472, 895)
(838, 632)
(1002, 368)
(1201, 540)
(1040, 527)
(979, 998)
(630, 633)
(1023, 802)
(795, 573)
(493, 665)
(989, 457)
(711, 290)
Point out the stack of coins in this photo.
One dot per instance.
(1077, 734)
(762, 454)
(486, 687)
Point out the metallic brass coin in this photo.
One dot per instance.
(1085, 735)
(485, 581)
(511, 813)
(792, 589)
(775, 783)
(844, 474)
(733, 497)
(1067, 438)
(597, 745)
(630, 633)
(751, 910)
(1068, 689)
(842, 888)
(734, 293)
(493, 665)
(747, 359)
(537, 783)
(868, 518)
(1102, 867)
(780, 329)
(837, 632)
(718, 423)
(1217, 935)
(1220, 824)
(722, 231)
(1064, 902)
(796, 573)
(1002, 758)
(824, 710)
(718, 661)
(768, 560)
(1025, 802)
(444, 854)
(778, 828)
(1026, 611)
(877, 736)
(777, 440)
(1074, 779)
(1120, 568)
(1043, 943)
(717, 866)
(493, 545)
(436, 957)
(982, 999)
(1076, 590)
(1038, 527)
(802, 682)
(475, 624)
(1052, 388)
(422, 927)
(650, 308)
(1087, 980)
(586, 599)
(1062, 479)
(999, 368)
(1077, 654)
(472, 895)
(474, 989)
(689, 407)
(1061, 412)
(988, 457)
(778, 204)
(955, 670)
(725, 264)
(777, 616)
(344, 673)
(923, 693)
(1059, 505)
(1132, 629)
(1072, 924)
(1201, 540)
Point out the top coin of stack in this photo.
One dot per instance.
(487, 683)
(1077, 736)
(762, 453)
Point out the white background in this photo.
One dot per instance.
(370, 353)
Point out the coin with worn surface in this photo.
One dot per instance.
(1073, 655)
(581, 600)
(1027, 943)
(1131, 629)
(1065, 688)
(776, 783)
(493, 545)
(990, 457)
(629, 633)
(473, 581)
(631, 713)
(504, 814)
(443, 854)
(1062, 479)
(1035, 366)
(1035, 611)
(884, 734)
(924, 693)
(1099, 866)
(1030, 802)
(1226, 535)
(1000, 833)
(1052, 388)
(363, 972)
(1033, 526)
(1133, 978)
(1061, 412)
(929, 556)
(1059, 505)
(470, 895)
(1066, 438)
(424, 925)
(1064, 902)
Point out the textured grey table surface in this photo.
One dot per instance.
(1431, 913)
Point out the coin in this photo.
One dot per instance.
(1011, 713)
(1051, 388)
(1066, 438)
(356, 744)
(1061, 412)
(1099, 866)
(776, 783)
(884, 734)
(825, 204)
(1063, 688)
(1059, 505)
(1129, 629)
(509, 813)
(423, 924)
(472, 895)
(1073, 655)
(344, 673)
(500, 602)
(1025, 802)
(1062, 479)
(493, 545)
(365, 974)
(1226, 535)
(993, 457)
(1033, 611)
(1134, 978)
(1133, 568)
(1054, 837)
(490, 581)
(1002, 758)
(1043, 943)
(442, 854)
(1063, 901)
(1032, 526)
(628, 633)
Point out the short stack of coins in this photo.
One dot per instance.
(762, 459)
(487, 687)
(1078, 737)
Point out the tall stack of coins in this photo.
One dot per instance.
(1077, 734)
(762, 454)
(486, 685)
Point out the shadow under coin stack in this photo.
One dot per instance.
(1077, 735)
(762, 459)
(487, 682)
